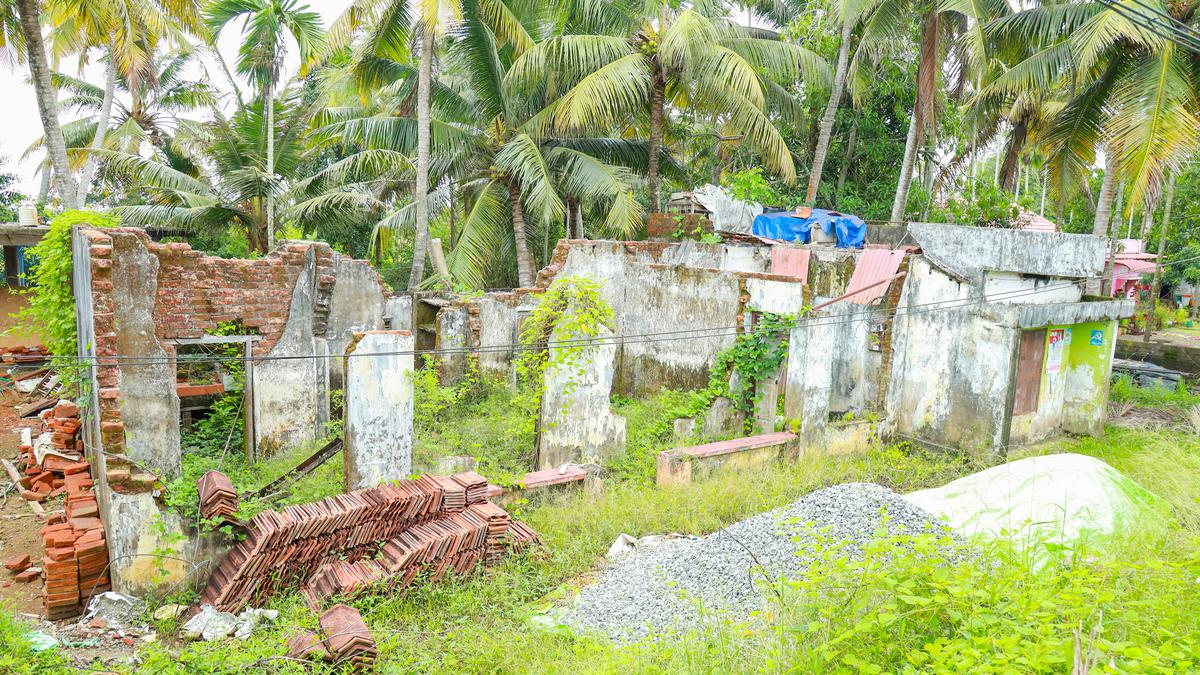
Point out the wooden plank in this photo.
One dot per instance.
(303, 469)
(37, 406)
(37, 508)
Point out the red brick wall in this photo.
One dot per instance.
(196, 293)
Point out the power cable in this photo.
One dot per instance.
(640, 338)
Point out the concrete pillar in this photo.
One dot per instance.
(809, 379)
(576, 424)
(379, 408)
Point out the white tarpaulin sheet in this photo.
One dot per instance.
(1063, 499)
(728, 214)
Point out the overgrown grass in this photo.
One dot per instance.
(649, 429)
(481, 623)
(1125, 391)
(906, 606)
(326, 480)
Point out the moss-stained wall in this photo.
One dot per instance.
(1074, 396)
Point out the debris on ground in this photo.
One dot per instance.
(661, 588)
(212, 624)
(117, 610)
(625, 543)
(169, 611)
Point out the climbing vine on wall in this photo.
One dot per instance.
(573, 309)
(51, 308)
(754, 357)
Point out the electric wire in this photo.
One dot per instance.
(638, 338)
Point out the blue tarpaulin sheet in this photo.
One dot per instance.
(849, 230)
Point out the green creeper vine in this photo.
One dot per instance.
(51, 308)
(571, 310)
(754, 357)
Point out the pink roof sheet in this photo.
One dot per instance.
(788, 261)
(874, 265)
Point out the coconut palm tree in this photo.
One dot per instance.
(128, 32)
(1134, 96)
(627, 61)
(29, 15)
(491, 148)
(267, 23)
(389, 27)
(145, 115)
(232, 182)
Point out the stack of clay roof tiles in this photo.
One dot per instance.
(218, 499)
(347, 638)
(343, 543)
(76, 554)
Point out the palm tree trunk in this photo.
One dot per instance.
(47, 99)
(906, 169)
(524, 257)
(93, 161)
(269, 101)
(1147, 223)
(1155, 287)
(845, 168)
(1108, 188)
(44, 185)
(827, 120)
(1016, 143)
(655, 140)
(421, 189)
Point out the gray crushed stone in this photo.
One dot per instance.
(673, 585)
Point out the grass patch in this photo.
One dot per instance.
(1125, 391)
(480, 624)
(326, 480)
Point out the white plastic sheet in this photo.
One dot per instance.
(1065, 499)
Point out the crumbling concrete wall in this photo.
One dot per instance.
(952, 369)
(357, 306)
(454, 340)
(379, 408)
(576, 424)
(968, 252)
(500, 318)
(136, 299)
(149, 405)
(289, 384)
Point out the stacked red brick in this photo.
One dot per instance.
(19, 354)
(218, 499)
(332, 542)
(347, 638)
(76, 554)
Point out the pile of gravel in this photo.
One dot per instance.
(650, 591)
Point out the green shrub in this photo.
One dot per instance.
(926, 604)
(1125, 391)
(51, 308)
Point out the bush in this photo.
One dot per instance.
(51, 309)
(927, 604)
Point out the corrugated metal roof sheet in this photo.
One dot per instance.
(874, 265)
(792, 262)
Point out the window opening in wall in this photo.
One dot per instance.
(213, 381)
(1030, 360)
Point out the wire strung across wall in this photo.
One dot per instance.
(643, 338)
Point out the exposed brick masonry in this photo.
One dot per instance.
(75, 561)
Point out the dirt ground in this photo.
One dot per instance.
(87, 646)
(18, 524)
